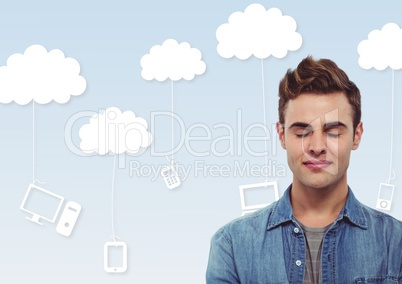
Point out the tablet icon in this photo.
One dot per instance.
(258, 195)
(115, 257)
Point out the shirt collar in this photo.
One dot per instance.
(282, 211)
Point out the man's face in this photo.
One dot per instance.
(318, 137)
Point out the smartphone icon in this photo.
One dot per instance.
(385, 196)
(115, 257)
(170, 176)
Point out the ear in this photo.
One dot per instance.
(280, 129)
(358, 136)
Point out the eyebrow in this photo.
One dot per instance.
(335, 124)
(299, 124)
(326, 125)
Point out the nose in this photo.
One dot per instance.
(316, 143)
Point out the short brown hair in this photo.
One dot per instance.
(321, 77)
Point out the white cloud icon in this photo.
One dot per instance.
(172, 60)
(115, 131)
(258, 32)
(382, 49)
(41, 76)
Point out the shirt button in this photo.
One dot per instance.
(298, 262)
(296, 230)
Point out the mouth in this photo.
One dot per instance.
(317, 164)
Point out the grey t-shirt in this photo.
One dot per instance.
(314, 237)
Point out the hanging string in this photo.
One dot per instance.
(113, 178)
(265, 115)
(33, 141)
(172, 109)
(34, 180)
(392, 126)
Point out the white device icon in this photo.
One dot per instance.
(385, 196)
(115, 257)
(42, 204)
(170, 176)
(68, 218)
(266, 191)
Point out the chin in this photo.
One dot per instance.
(317, 183)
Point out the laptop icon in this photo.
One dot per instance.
(257, 195)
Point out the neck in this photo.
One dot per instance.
(318, 207)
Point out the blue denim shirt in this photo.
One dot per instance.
(268, 246)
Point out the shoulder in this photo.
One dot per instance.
(380, 220)
(248, 224)
(371, 219)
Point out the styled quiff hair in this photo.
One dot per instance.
(320, 77)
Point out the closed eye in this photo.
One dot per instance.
(333, 132)
(303, 134)
(330, 134)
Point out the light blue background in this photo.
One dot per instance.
(167, 231)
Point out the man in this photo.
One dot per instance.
(317, 232)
